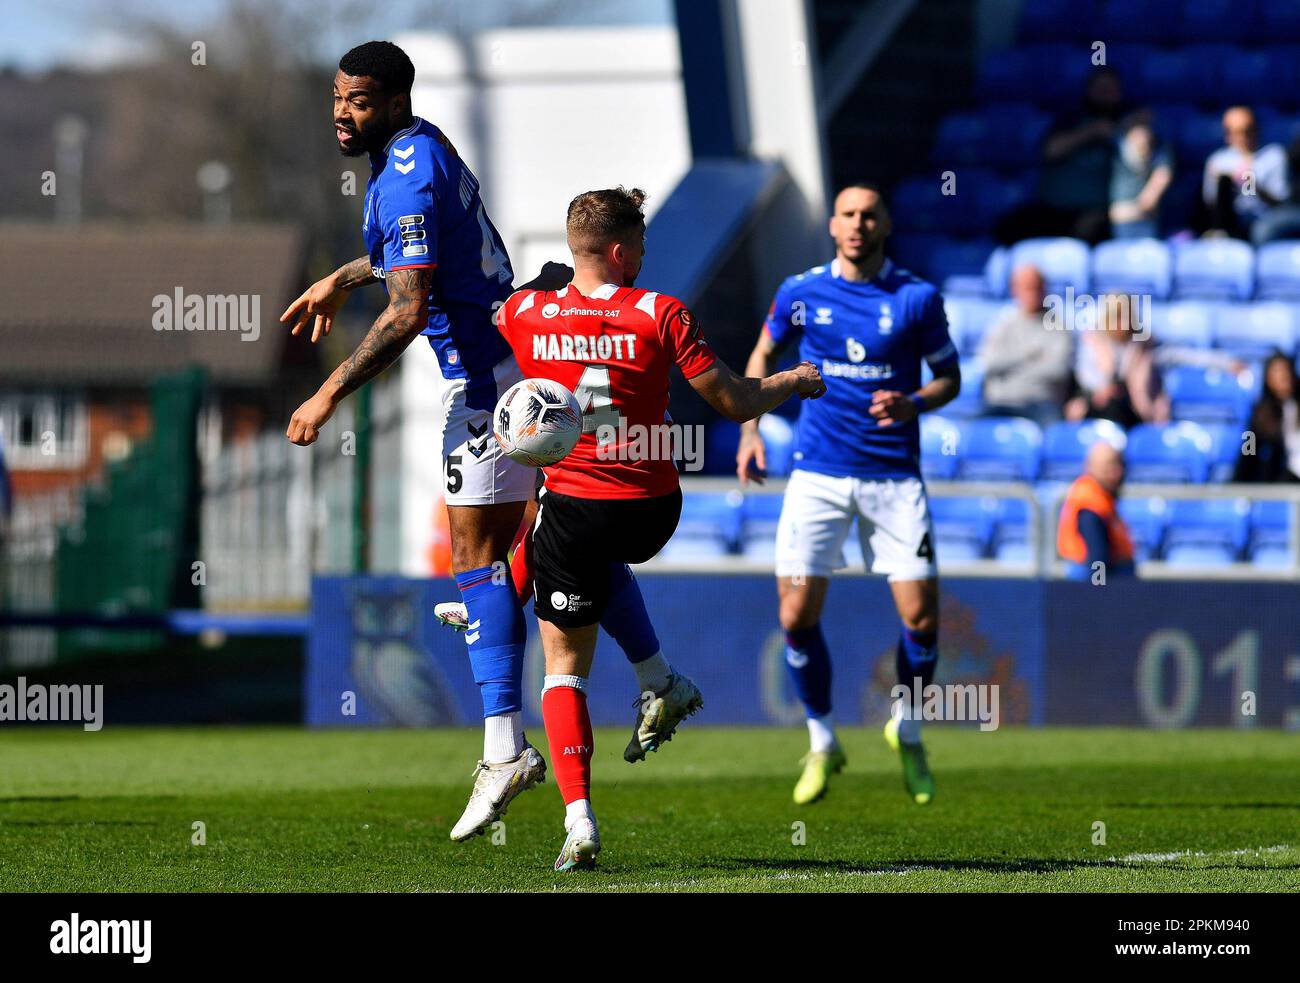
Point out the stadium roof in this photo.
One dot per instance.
(91, 304)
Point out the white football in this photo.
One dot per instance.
(537, 422)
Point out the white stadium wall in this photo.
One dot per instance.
(540, 115)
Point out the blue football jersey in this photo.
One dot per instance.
(423, 210)
(862, 336)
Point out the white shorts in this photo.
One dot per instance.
(893, 518)
(475, 471)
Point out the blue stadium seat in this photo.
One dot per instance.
(1216, 20)
(1064, 262)
(1270, 534)
(1146, 518)
(997, 271)
(1214, 268)
(1277, 270)
(998, 135)
(1049, 74)
(1065, 445)
(778, 435)
(1048, 20)
(1011, 540)
(1225, 449)
(1168, 452)
(1199, 135)
(1209, 395)
(921, 206)
(963, 526)
(1138, 20)
(949, 258)
(1207, 532)
(969, 320)
(760, 514)
(1142, 266)
(1000, 449)
(941, 447)
(970, 401)
(1185, 322)
(1252, 77)
(1167, 76)
(1279, 21)
(1253, 331)
(709, 526)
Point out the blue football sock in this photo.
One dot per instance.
(915, 656)
(495, 640)
(809, 663)
(626, 619)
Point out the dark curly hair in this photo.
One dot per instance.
(382, 61)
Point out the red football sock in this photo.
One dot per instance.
(568, 731)
(521, 565)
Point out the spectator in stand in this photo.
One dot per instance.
(1243, 181)
(1028, 367)
(1074, 187)
(1117, 372)
(1283, 221)
(1091, 530)
(1140, 175)
(1275, 422)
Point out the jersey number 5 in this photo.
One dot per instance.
(598, 409)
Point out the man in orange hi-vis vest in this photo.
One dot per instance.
(1091, 528)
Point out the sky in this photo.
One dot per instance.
(42, 34)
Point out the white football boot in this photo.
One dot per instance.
(580, 845)
(657, 719)
(453, 614)
(495, 786)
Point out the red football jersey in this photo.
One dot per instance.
(613, 350)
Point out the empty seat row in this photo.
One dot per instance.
(1016, 449)
(1159, 21)
(1211, 72)
(1208, 269)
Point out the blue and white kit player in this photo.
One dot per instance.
(867, 325)
(430, 242)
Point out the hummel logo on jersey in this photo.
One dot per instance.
(403, 154)
(822, 316)
(856, 350)
(886, 319)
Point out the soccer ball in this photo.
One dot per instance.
(537, 422)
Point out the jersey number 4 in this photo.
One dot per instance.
(598, 409)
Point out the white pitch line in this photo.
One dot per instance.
(1142, 858)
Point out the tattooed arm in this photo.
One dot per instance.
(394, 329)
(324, 297)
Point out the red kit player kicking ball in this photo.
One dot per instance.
(610, 502)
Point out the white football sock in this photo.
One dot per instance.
(578, 809)
(503, 737)
(653, 674)
(909, 730)
(821, 735)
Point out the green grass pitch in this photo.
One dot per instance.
(296, 810)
